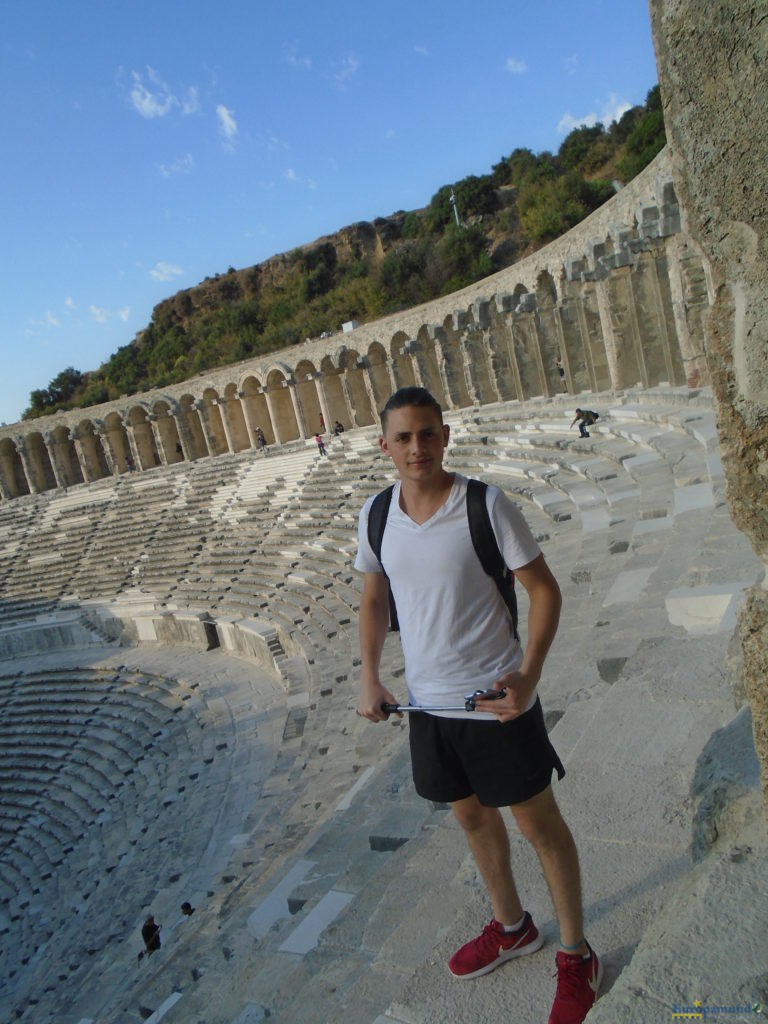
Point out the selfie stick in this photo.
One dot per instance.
(469, 704)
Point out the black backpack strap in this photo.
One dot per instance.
(487, 548)
(377, 521)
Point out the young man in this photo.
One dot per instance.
(586, 419)
(457, 636)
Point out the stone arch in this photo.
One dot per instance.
(95, 465)
(284, 421)
(167, 432)
(500, 341)
(12, 474)
(378, 374)
(117, 441)
(474, 344)
(550, 336)
(305, 374)
(211, 414)
(355, 380)
(400, 356)
(39, 463)
(143, 437)
(235, 416)
(191, 426)
(66, 456)
(335, 396)
(454, 356)
(256, 408)
(427, 363)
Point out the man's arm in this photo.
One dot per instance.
(373, 627)
(543, 617)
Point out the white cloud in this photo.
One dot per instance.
(571, 64)
(124, 314)
(163, 271)
(422, 51)
(613, 109)
(227, 124)
(70, 303)
(292, 56)
(190, 104)
(515, 66)
(152, 97)
(390, 133)
(184, 165)
(98, 314)
(348, 68)
(295, 179)
(153, 100)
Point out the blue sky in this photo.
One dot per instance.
(149, 145)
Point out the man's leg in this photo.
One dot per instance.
(541, 823)
(489, 842)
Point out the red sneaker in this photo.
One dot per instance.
(493, 946)
(578, 979)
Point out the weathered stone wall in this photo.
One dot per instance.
(712, 60)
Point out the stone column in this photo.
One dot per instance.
(26, 464)
(272, 417)
(109, 456)
(159, 446)
(249, 426)
(221, 404)
(323, 400)
(7, 478)
(199, 405)
(298, 410)
(82, 458)
(59, 473)
(350, 404)
(182, 432)
(134, 451)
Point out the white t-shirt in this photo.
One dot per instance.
(455, 629)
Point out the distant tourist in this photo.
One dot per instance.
(150, 933)
(338, 427)
(179, 449)
(561, 371)
(129, 464)
(320, 444)
(187, 909)
(322, 424)
(261, 441)
(585, 419)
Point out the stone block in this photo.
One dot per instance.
(703, 610)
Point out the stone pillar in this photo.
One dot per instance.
(298, 410)
(59, 472)
(182, 432)
(221, 405)
(82, 458)
(249, 426)
(102, 438)
(27, 466)
(134, 451)
(159, 446)
(347, 399)
(272, 417)
(199, 405)
(323, 400)
(7, 478)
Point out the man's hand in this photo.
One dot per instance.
(373, 696)
(519, 687)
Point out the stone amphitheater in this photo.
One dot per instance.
(178, 649)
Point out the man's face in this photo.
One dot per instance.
(415, 440)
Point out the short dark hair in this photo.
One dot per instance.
(410, 396)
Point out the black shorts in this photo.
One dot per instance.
(500, 763)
